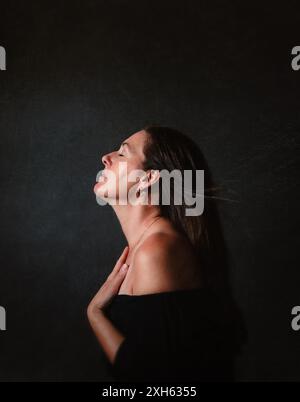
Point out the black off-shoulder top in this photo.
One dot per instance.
(179, 335)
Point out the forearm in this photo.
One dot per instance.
(109, 337)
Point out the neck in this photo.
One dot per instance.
(135, 219)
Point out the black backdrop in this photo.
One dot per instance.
(83, 75)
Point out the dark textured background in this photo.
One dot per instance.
(83, 75)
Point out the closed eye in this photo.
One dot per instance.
(120, 155)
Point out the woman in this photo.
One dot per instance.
(165, 311)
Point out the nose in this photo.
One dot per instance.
(106, 160)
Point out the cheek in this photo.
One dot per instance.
(127, 175)
(135, 176)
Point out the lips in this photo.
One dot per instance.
(100, 176)
(104, 173)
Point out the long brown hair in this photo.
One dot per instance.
(168, 148)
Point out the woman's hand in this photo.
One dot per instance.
(111, 286)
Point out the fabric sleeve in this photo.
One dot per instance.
(142, 356)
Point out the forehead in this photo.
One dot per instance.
(136, 141)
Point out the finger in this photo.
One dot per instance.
(119, 278)
(119, 263)
(121, 259)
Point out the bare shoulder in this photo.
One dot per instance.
(164, 262)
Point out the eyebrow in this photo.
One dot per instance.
(128, 145)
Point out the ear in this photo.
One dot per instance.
(149, 179)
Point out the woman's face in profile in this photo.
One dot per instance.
(118, 164)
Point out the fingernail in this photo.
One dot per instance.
(124, 267)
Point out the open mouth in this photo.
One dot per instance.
(101, 179)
